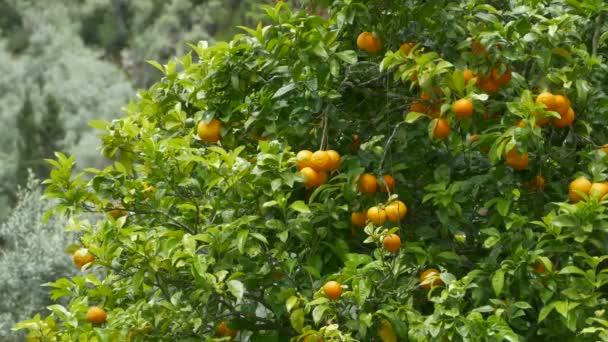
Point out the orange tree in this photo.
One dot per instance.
(459, 127)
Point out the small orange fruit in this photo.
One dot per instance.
(368, 43)
(501, 79)
(425, 96)
(478, 48)
(561, 105)
(209, 132)
(547, 99)
(332, 290)
(598, 190)
(392, 243)
(468, 75)
(433, 275)
(303, 159)
(605, 148)
(82, 257)
(442, 129)
(406, 48)
(310, 338)
(334, 160)
(418, 107)
(395, 211)
(516, 160)
(376, 215)
(224, 330)
(367, 184)
(463, 108)
(117, 212)
(320, 161)
(539, 267)
(389, 183)
(566, 119)
(313, 178)
(96, 315)
(537, 184)
(358, 218)
(473, 138)
(580, 184)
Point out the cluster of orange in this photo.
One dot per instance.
(557, 103)
(315, 165)
(489, 83)
(582, 185)
(368, 184)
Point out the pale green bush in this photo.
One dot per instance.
(31, 254)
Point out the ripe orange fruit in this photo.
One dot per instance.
(303, 159)
(82, 257)
(117, 212)
(547, 99)
(209, 132)
(313, 178)
(358, 218)
(473, 138)
(539, 267)
(332, 290)
(598, 190)
(478, 48)
(516, 160)
(468, 75)
(368, 43)
(389, 183)
(395, 211)
(376, 215)
(561, 105)
(224, 330)
(431, 273)
(566, 119)
(334, 160)
(605, 148)
(367, 184)
(442, 130)
(392, 243)
(320, 161)
(406, 48)
(537, 183)
(96, 315)
(488, 85)
(501, 79)
(424, 96)
(463, 108)
(580, 184)
(418, 107)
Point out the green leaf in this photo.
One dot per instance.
(284, 90)
(413, 116)
(300, 206)
(241, 240)
(297, 320)
(348, 56)
(317, 313)
(498, 281)
(236, 288)
(571, 270)
(291, 303)
(545, 311)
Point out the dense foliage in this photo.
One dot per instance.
(28, 259)
(207, 240)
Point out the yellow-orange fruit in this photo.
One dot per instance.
(442, 130)
(516, 160)
(463, 108)
(358, 218)
(334, 160)
(391, 243)
(598, 190)
(209, 132)
(96, 315)
(320, 161)
(580, 184)
(430, 273)
(367, 184)
(376, 215)
(303, 159)
(389, 183)
(368, 43)
(332, 290)
(82, 257)
(566, 119)
(395, 211)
